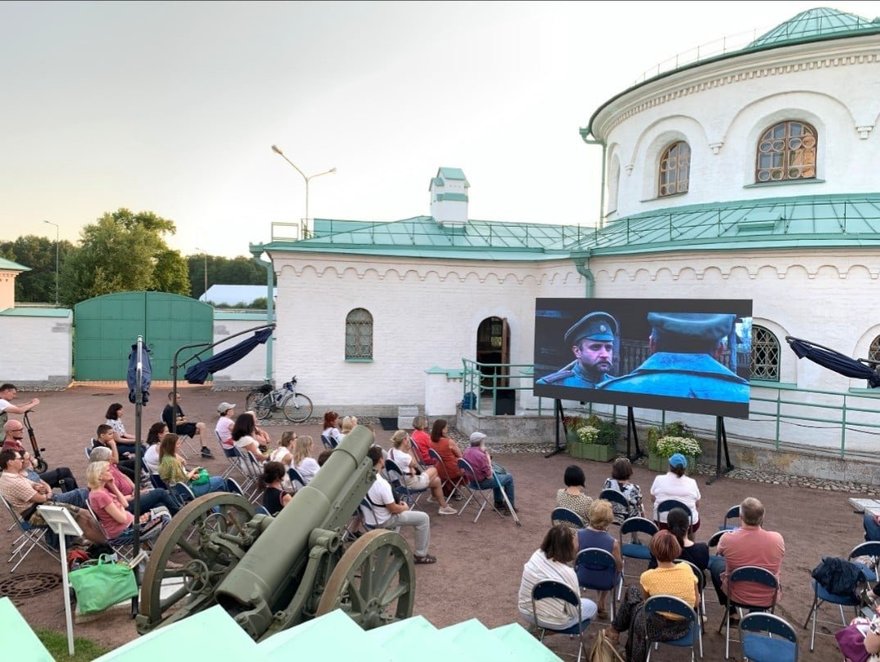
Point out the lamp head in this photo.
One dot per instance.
(277, 150)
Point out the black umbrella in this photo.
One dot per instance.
(828, 358)
(198, 372)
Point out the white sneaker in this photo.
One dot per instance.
(447, 510)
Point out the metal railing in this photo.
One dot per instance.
(845, 423)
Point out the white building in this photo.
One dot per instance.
(747, 175)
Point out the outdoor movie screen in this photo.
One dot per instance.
(688, 355)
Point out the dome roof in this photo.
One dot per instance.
(815, 24)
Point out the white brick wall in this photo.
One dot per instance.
(36, 350)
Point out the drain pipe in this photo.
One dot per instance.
(592, 141)
(257, 251)
(582, 264)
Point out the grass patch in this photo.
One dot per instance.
(56, 644)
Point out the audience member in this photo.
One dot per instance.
(387, 513)
(264, 439)
(153, 498)
(284, 452)
(415, 477)
(223, 428)
(750, 544)
(125, 442)
(675, 485)
(572, 495)
(60, 477)
(621, 472)
(349, 423)
(243, 438)
(111, 508)
(596, 535)
(421, 440)
(668, 578)
(330, 431)
(697, 553)
(488, 474)
(303, 461)
(449, 453)
(173, 415)
(151, 456)
(8, 393)
(274, 495)
(172, 469)
(871, 523)
(552, 561)
(105, 437)
(324, 455)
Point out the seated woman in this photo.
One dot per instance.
(675, 485)
(150, 499)
(449, 453)
(243, 438)
(695, 552)
(125, 442)
(172, 469)
(274, 496)
(553, 561)
(596, 535)
(264, 439)
(110, 507)
(572, 495)
(330, 431)
(668, 578)
(349, 423)
(303, 461)
(414, 477)
(151, 455)
(870, 629)
(421, 440)
(284, 455)
(621, 472)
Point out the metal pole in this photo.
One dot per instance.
(57, 244)
(206, 275)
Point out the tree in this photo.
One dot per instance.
(37, 253)
(221, 270)
(123, 251)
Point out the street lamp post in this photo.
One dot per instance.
(306, 178)
(57, 244)
(205, 253)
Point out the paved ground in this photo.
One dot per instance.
(479, 567)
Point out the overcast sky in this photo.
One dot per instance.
(173, 107)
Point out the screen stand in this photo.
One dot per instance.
(720, 439)
(560, 422)
(632, 434)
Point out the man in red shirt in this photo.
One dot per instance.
(481, 462)
(751, 544)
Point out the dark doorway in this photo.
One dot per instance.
(493, 346)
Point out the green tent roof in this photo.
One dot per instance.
(815, 24)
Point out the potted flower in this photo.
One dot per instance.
(594, 439)
(666, 441)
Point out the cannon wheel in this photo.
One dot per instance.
(374, 581)
(199, 569)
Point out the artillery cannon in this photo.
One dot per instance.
(270, 573)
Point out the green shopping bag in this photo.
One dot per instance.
(101, 584)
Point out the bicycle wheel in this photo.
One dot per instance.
(252, 399)
(297, 407)
(263, 407)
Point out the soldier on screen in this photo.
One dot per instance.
(685, 359)
(592, 340)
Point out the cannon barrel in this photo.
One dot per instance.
(262, 582)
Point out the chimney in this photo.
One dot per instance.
(449, 199)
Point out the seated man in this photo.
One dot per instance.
(173, 415)
(62, 478)
(871, 522)
(751, 544)
(24, 495)
(390, 514)
(106, 439)
(481, 462)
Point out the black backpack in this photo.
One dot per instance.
(839, 576)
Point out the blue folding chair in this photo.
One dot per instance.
(701, 585)
(631, 550)
(780, 644)
(668, 504)
(672, 605)
(713, 541)
(732, 513)
(821, 595)
(566, 515)
(296, 479)
(756, 575)
(550, 589)
(597, 570)
(398, 483)
(871, 549)
(618, 503)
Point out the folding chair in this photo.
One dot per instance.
(754, 574)
(444, 475)
(328, 441)
(597, 570)
(367, 507)
(123, 549)
(566, 515)
(296, 479)
(230, 456)
(244, 466)
(871, 549)
(30, 537)
(672, 605)
(631, 550)
(701, 585)
(255, 472)
(668, 504)
(732, 513)
(470, 484)
(260, 509)
(398, 484)
(550, 589)
(822, 595)
(88, 450)
(618, 502)
(781, 644)
(713, 541)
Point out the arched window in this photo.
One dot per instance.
(675, 167)
(787, 151)
(765, 355)
(359, 334)
(874, 350)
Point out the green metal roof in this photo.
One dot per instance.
(321, 227)
(452, 173)
(815, 24)
(9, 265)
(804, 221)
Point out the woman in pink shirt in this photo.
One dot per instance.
(109, 506)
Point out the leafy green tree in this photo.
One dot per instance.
(37, 253)
(222, 270)
(122, 252)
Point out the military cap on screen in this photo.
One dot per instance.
(702, 326)
(595, 326)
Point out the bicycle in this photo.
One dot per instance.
(264, 400)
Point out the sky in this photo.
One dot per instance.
(174, 107)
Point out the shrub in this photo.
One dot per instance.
(670, 445)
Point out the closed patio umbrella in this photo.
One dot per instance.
(833, 360)
(198, 372)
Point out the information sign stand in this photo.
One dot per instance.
(61, 521)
